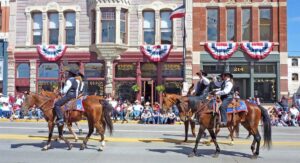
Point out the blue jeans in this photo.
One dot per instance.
(146, 120)
(39, 114)
(6, 114)
(223, 108)
(136, 113)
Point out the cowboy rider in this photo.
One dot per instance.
(70, 91)
(202, 86)
(226, 93)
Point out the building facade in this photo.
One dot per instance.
(293, 77)
(254, 35)
(100, 38)
(4, 25)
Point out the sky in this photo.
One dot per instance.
(293, 27)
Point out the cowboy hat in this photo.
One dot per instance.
(147, 103)
(73, 72)
(202, 72)
(227, 73)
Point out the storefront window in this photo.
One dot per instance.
(239, 68)
(213, 68)
(124, 90)
(149, 70)
(265, 68)
(125, 70)
(94, 70)
(265, 89)
(48, 70)
(48, 85)
(23, 71)
(172, 70)
(95, 87)
(173, 87)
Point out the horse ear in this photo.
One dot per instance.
(164, 94)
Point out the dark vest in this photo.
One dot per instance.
(200, 89)
(230, 94)
(73, 87)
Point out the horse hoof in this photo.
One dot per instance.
(44, 149)
(185, 141)
(70, 147)
(82, 147)
(216, 155)
(231, 143)
(208, 144)
(254, 157)
(100, 149)
(193, 154)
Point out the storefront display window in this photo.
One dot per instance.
(48, 85)
(95, 87)
(173, 87)
(213, 68)
(94, 70)
(172, 70)
(265, 68)
(48, 70)
(265, 89)
(23, 71)
(124, 90)
(125, 70)
(149, 70)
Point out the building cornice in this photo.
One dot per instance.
(240, 4)
(53, 6)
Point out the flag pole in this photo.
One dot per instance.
(184, 44)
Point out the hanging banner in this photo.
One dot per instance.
(156, 53)
(221, 50)
(51, 52)
(257, 50)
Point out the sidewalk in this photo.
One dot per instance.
(81, 122)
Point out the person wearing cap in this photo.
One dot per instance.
(69, 92)
(226, 93)
(202, 86)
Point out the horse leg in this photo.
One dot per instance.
(231, 132)
(200, 133)
(257, 138)
(91, 130)
(186, 130)
(214, 138)
(193, 125)
(69, 125)
(217, 130)
(101, 131)
(48, 145)
(60, 131)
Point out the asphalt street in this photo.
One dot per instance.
(137, 143)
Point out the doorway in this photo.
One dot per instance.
(148, 91)
(242, 85)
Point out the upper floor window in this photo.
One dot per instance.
(37, 28)
(23, 71)
(53, 28)
(149, 27)
(265, 24)
(166, 28)
(108, 24)
(230, 24)
(70, 27)
(246, 26)
(294, 77)
(93, 15)
(294, 62)
(123, 25)
(212, 24)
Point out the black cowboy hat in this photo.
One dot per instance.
(202, 72)
(226, 73)
(73, 72)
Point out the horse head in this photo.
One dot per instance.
(168, 100)
(29, 101)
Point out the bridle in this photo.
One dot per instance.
(44, 103)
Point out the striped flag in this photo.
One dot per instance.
(179, 12)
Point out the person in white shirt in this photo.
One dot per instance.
(294, 113)
(226, 93)
(201, 89)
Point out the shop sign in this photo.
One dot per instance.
(239, 69)
(172, 70)
(149, 70)
(126, 70)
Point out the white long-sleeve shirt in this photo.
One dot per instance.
(67, 86)
(227, 88)
(205, 82)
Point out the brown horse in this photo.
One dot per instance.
(208, 119)
(97, 111)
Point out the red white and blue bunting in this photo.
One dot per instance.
(156, 53)
(257, 50)
(221, 50)
(51, 53)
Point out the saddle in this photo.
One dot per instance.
(74, 104)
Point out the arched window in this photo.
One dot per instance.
(294, 62)
(149, 27)
(166, 27)
(23, 70)
(294, 77)
(48, 70)
(53, 28)
(37, 28)
(70, 27)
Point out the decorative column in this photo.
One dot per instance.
(118, 25)
(252, 79)
(109, 77)
(45, 25)
(139, 80)
(98, 25)
(29, 27)
(140, 26)
(77, 41)
(33, 84)
(61, 31)
(157, 27)
(11, 77)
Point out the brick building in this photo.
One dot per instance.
(251, 22)
(293, 77)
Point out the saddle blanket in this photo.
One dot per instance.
(240, 108)
(75, 105)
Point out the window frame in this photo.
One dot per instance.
(250, 30)
(295, 77)
(234, 25)
(113, 10)
(296, 62)
(218, 25)
(270, 28)
(162, 29)
(53, 29)
(18, 73)
(33, 30)
(154, 27)
(93, 25)
(124, 36)
(70, 28)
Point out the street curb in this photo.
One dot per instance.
(82, 121)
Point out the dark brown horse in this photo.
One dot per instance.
(97, 111)
(208, 120)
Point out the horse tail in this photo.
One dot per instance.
(266, 127)
(107, 109)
